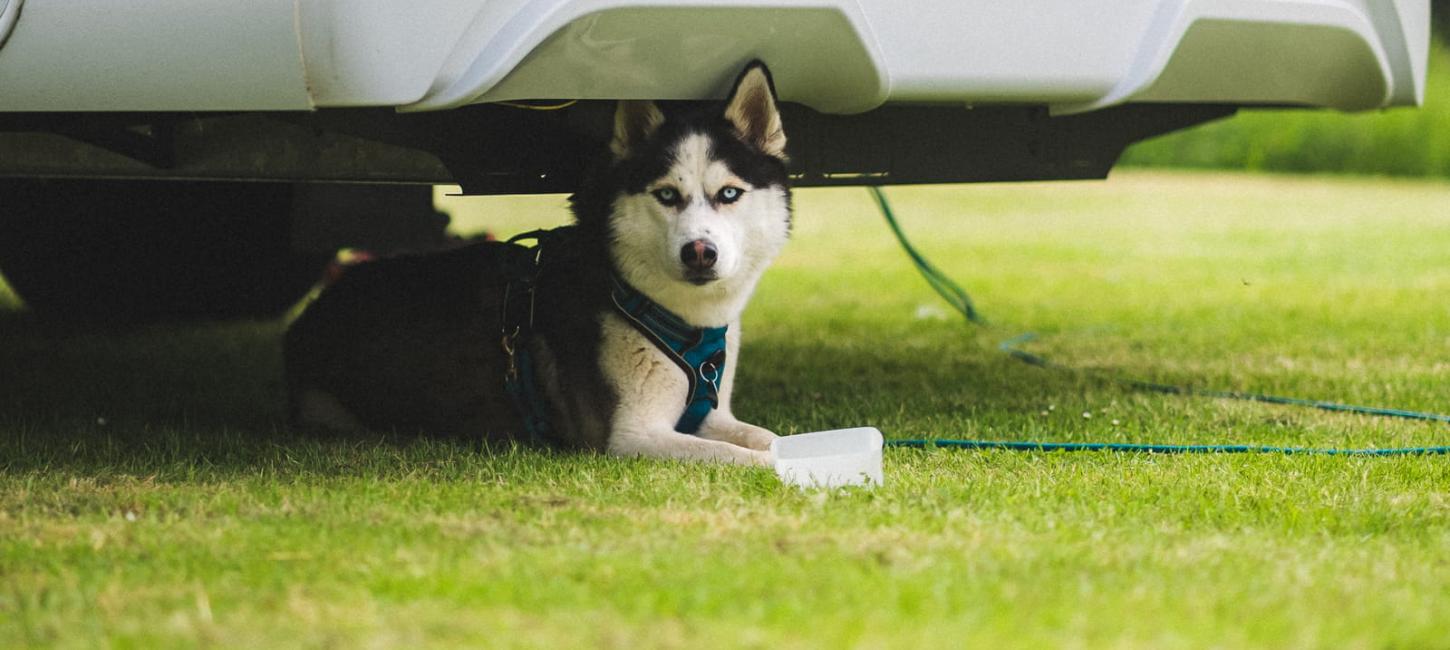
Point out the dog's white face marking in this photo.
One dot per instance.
(699, 199)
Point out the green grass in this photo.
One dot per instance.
(192, 516)
(1397, 142)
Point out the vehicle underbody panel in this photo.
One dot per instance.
(493, 149)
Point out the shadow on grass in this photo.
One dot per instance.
(208, 375)
(168, 399)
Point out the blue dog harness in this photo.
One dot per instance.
(698, 351)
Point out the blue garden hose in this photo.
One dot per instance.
(959, 300)
(1161, 449)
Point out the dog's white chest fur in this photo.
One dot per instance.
(649, 385)
(652, 391)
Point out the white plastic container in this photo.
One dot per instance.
(829, 458)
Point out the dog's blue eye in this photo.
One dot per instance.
(666, 196)
(730, 194)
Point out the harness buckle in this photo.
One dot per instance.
(711, 374)
(509, 349)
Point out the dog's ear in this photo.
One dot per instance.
(635, 121)
(752, 111)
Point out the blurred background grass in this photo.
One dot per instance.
(1396, 142)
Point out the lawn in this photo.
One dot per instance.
(151, 494)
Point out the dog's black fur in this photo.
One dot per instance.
(413, 343)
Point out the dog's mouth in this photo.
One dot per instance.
(701, 278)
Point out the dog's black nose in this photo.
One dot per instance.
(698, 255)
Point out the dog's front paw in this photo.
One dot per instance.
(760, 458)
(754, 437)
(738, 433)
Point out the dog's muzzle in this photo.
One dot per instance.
(699, 259)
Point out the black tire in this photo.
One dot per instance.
(147, 251)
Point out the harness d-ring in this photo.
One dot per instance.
(710, 372)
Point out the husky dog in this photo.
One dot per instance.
(619, 333)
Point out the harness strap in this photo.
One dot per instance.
(521, 267)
